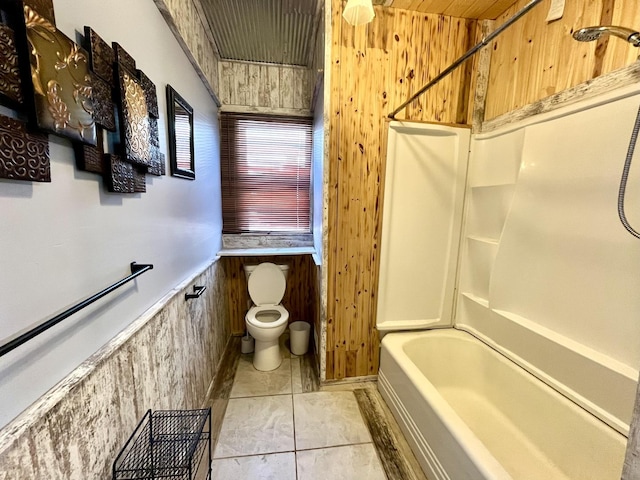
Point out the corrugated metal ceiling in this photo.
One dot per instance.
(284, 31)
(271, 31)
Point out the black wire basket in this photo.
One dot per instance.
(167, 444)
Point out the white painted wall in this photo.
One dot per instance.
(63, 241)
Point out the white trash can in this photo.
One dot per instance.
(299, 337)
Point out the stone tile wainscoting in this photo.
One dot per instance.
(166, 359)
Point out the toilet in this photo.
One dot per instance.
(266, 320)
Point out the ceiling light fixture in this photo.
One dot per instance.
(358, 12)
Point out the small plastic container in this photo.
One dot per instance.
(248, 344)
(299, 337)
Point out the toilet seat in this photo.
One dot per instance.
(267, 284)
(254, 313)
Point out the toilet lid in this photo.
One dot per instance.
(267, 284)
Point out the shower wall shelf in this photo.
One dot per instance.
(167, 444)
(479, 300)
(493, 174)
(19, 339)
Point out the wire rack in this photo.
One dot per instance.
(167, 444)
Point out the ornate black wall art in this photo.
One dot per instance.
(43, 7)
(139, 180)
(157, 165)
(124, 59)
(90, 158)
(101, 55)
(23, 155)
(118, 174)
(61, 81)
(134, 119)
(10, 88)
(151, 94)
(103, 106)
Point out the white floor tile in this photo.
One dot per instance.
(250, 382)
(277, 466)
(351, 462)
(326, 419)
(256, 425)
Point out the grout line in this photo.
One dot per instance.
(253, 455)
(262, 395)
(293, 451)
(335, 446)
(293, 410)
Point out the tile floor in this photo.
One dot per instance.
(271, 430)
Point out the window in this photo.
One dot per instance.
(266, 173)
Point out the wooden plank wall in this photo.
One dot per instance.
(300, 298)
(185, 22)
(260, 88)
(486, 9)
(374, 68)
(534, 59)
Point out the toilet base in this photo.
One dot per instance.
(267, 356)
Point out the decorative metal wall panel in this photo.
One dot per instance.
(150, 92)
(43, 7)
(61, 81)
(139, 181)
(154, 134)
(23, 155)
(9, 69)
(118, 174)
(158, 162)
(157, 165)
(124, 59)
(103, 107)
(134, 119)
(101, 55)
(89, 158)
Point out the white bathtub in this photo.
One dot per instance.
(470, 413)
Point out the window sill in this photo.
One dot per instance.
(265, 251)
(256, 245)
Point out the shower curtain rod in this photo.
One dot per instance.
(485, 41)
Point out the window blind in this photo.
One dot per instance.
(266, 173)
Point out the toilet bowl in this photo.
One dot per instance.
(267, 319)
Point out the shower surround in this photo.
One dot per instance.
(545, 289)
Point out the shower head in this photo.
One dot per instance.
(589, 34)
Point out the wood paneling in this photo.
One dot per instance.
(481, 9)
(300, 298)
(265, 88)
(534, 59)
(184, 19)
(167, 358)
(373, 70)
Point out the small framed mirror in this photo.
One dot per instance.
(180, 119)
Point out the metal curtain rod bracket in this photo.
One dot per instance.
(19, 339)
(484, 42)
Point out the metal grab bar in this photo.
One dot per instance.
(485, 41)
(136, 270)
(198, 290)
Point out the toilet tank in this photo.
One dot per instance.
(248, 269)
